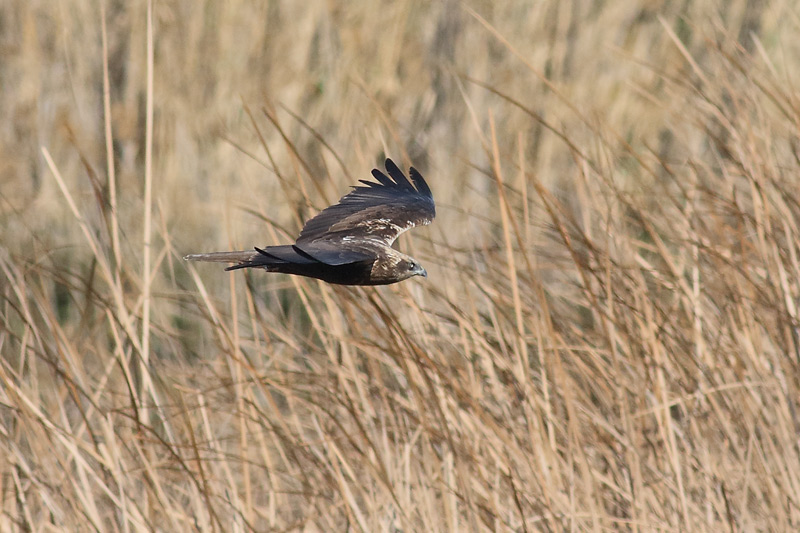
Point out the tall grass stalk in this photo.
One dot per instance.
(608, 336)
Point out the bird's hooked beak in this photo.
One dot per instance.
(421, 272)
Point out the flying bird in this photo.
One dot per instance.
(350, 243)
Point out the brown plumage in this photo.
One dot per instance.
(350, 243)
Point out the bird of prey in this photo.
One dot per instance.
(350, 243)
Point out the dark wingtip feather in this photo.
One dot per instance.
(419, 182)
(266, 253)
(381, 177)
(303, 253)
(397, 175)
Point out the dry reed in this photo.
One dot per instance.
(608, 337)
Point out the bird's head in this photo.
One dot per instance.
(393, 266)
(414, 268)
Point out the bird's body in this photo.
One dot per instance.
(350, 243)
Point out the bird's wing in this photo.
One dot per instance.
(378, 211)
(333, 253)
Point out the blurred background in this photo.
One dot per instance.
(607, 339)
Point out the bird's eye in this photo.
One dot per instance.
(412, 266)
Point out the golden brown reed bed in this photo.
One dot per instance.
(608, 337)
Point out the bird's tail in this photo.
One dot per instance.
(243, 258)
(272, 258)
